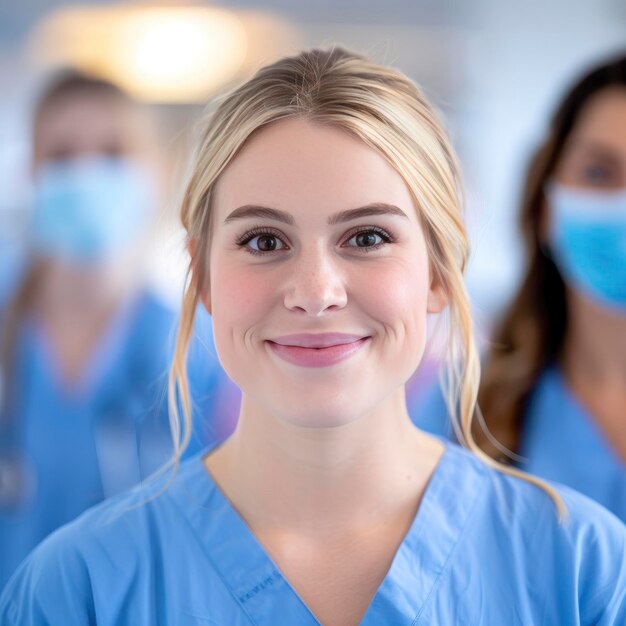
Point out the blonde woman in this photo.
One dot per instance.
(324, 226)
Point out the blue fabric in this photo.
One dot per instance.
(89, 208)
(429, 411)
(62, 451)
(13, 250)
(12, 263)
(588, 241)
(562, 442)
(484, 548)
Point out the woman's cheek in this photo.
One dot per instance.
(395, 292)
(238, 305)
(240, 290)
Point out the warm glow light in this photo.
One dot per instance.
(178, 53)
(159, 54)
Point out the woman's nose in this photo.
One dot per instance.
(316, 284)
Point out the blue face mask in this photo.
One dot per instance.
(86, 210)
(588, 242)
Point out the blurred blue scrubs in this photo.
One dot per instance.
(63, 450)
(562, 442)
(12, 252)
(484, 548)
(429, 411)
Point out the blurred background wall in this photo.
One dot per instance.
(493, 68)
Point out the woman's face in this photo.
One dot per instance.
(594, 156)
(585, 226)
(95, 183)
(87, 124)
(319, 275)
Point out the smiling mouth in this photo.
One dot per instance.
(317, 351)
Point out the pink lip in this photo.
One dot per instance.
(317, 350)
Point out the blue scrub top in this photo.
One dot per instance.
(62, 451)
(429, 412)
(561, 441)
(484, 548)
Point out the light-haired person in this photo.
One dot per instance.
(324, 223)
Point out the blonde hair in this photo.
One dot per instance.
(384, 109)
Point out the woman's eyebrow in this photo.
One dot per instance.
(253, 210)
(376, 208)
(594, 148)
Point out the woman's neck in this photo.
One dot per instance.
(74, 306)
(80, 292)
(594, 351)
(594, 365)
(327, 480)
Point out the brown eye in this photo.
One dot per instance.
(368, 239)
(61, 155)
(267, 243)
(365, 240)
(262, 243)
(598, 174)
(113, 150)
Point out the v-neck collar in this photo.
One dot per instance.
(103, 355)
(576, 418)
(266, 596)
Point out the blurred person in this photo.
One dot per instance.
(324, 220)
(85, 346)
(12, 251)
(554, 388)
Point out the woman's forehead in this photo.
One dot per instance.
(87, 122)
(603, 120)
(297, 164)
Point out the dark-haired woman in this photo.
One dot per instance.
(554, 387)
(554, 384)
